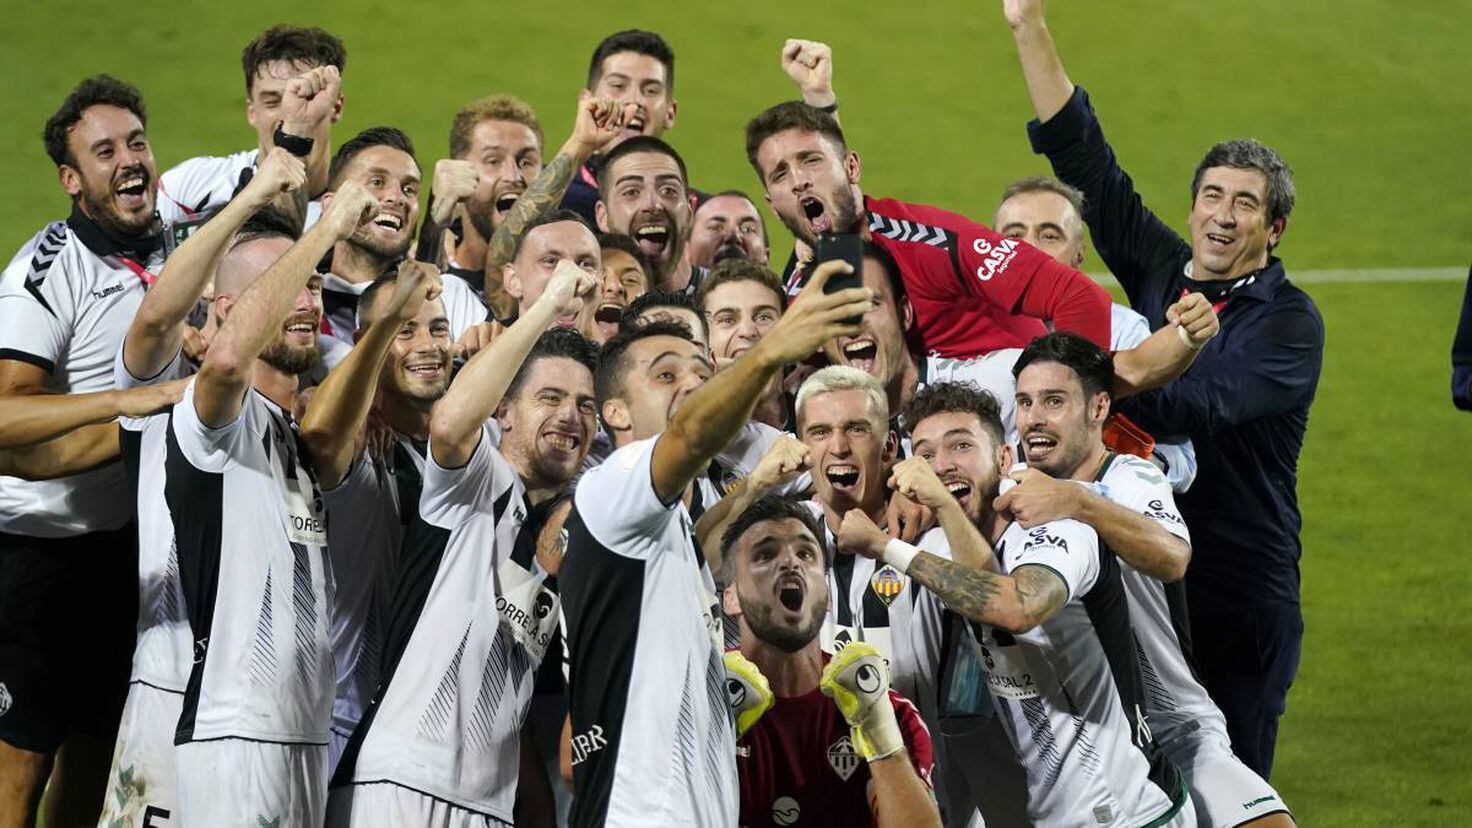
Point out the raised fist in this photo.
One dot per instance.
(278, 172)
(351, 205)
(454, 181)
(310, 98)
(810, 65)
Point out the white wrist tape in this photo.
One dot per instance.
(1187, 341)
(898, 554)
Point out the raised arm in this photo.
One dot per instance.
(712, 415)
(455, 424)
(156, 333)
(785, 460)
(308, 107)
(339, 407)
(914, 478)
(257, 316)
(809, 64)
(1047, 82)
(1016, 602)
(1167, 353)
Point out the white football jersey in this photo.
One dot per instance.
(991, 373)
(463, 307)
(192, 191)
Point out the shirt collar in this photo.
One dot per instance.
(1259, 284)
(103, 244)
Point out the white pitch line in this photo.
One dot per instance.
(1370, 274)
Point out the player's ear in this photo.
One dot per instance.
(669, 115)
(511, 281)
(71, 180)
(1099, 407)
(907, 315)
(501, 408)
(337, 108)
(223, 302)
(1005, 459)
(729, 602)
(1276, 231)
(600, 214)
(616, 415)
(853, 166)
(891, 449)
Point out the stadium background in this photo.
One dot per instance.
(1367, 100)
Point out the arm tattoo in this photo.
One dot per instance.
(1041, 592)
(540, 199)
(965, 590)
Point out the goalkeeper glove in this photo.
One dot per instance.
(857, 679)
(747, 691)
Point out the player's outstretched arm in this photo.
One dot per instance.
(712, 415)
(28, 419)
(256, 318)
(311, 101)
(83, 449)
(1167, 353)
(1047, 82)
(156, 333)
(339, 408)
(598, 122)
(1015, 603)
(455, 424)
(809, 63)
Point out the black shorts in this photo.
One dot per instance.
(68, 621)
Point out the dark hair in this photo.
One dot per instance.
(626, 244)
(785, 116)
(891, 271)
(956, 398)
(312, 46)
(379, 136)
(608, 379)
(702, 199)
(639, 42)
(555, 343)
(556, 217)
(740, 270)
(1247, 154)
(269, 222)
(768, 508)
(98, 90)
(661, 299)
(1092, 364)
(639, 143)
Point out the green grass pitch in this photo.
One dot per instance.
(1366, 99)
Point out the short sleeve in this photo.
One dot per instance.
(453, 496)
(208, 448)
(463, 308)
(32, 333)
(178, 368)
(1138, 486)
(1067, 547)
(617, 502)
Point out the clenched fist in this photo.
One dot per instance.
(1197, 319)
(279, 172)
(351, 205)
(454, 181)
(309, 99)
(810, 65)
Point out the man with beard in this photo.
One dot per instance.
(1050, 620)
(1062, 399)
(471, 624)
(799, 758)
(636, 68)
(381, 160)
(973, 292)
(644, 629)
(66, 298)
(741, 301)
(727, 225)
(643, 193)
(283, 111)
(250, 532)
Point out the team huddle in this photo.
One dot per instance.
(553, 503)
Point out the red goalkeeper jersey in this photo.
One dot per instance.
(799, 767)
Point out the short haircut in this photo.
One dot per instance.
(768, 508)
(312, 46)
(702, 199)
(891, 271)
(639, 143)
(608, 380)
(626, 244)
(379, 136)
(370, 295)
(740, 270)
(964, 397)
(1047, 184)
(662, 299)
(555, 343)
(269, 222)
(98, 90)
(845, 378)
(638, 41)
(789, 115)
(1247, 154)
(1092, 364)
(495, 108)
(556, 217)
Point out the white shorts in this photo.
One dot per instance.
(373, 804)
(239, 783)
(141, 788)
(1225, 792)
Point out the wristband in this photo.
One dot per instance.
(831, 109)
(898, 554)
(1187, 341)
(294, 144)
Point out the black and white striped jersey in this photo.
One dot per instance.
(652, 738)
(251, 533)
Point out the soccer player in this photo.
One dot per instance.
(443, 740)
(1050, 617)
(66, 298)
(627, 275)
(1245, 402)
(293, 115)
(636, 68)
(141, 784)
(251, 535)
(799, 758)
(668, 306)
(741, 301)
(643, 193)
(652, 739)
(546, 244)
(381, 160)
(1048, 214)
(973, 292)
(727, 225)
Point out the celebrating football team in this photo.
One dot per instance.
(555, 502)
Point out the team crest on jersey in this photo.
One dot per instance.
(887, 583)
(785, 810)
(843, 758)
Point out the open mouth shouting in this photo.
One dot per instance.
(131, 189)
(817, 214)
(1039, 446)
(634, 126)
(505, 201)
(842, 476)
(861, 352)
(960, 489)
(791, 593)
(654, 235)
(1218, 243)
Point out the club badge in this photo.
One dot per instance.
(843, 758)
(887, 583)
